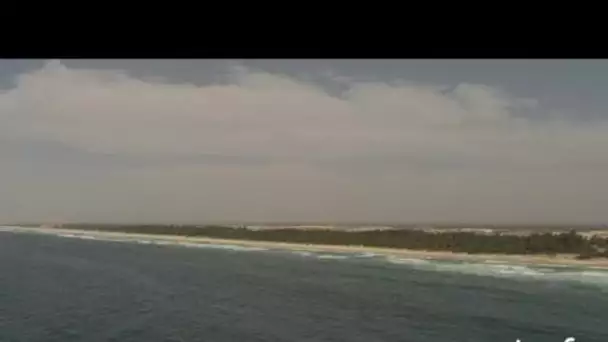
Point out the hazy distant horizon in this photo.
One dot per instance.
(190, 141)
(335, 224)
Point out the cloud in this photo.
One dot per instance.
(391, 150)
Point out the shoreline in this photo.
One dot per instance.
(537, 259)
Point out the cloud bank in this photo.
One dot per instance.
(104, 146)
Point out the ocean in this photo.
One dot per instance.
(62, 289)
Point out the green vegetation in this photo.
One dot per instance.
(465, 242)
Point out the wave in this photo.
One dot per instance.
(406, 261)
(159, 242)
(485, 269)
(367, 255)
(582, 275)
(320, 255)
(592, 277)
(68, 235)
(76, 236)
(304, 254)
(220, 246)
(332, 256)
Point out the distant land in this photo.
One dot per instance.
(588, 230)
(345, 225)
(583, 242)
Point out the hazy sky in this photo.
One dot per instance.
(312, 140)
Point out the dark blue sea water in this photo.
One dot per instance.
(57, 289)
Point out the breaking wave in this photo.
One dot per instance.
(84, 236)
(582, 275)
(220, 246)
(367, 255)
(332, 256)
(304, 254)
(406, 261)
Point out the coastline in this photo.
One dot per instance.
(558, 260)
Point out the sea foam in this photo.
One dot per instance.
(127, 239)
(332, 256)
(581, 275)
(406, 261)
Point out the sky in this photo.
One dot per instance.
(387, 141)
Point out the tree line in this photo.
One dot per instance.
(464, 242)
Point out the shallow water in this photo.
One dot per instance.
(74, 289)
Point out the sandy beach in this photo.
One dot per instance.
(565, 260)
